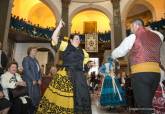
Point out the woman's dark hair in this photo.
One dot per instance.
(29, 49)
(12, 63)
(89, 61)
(73, 35)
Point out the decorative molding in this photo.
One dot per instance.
(89, 1)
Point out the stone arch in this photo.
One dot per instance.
(48, 59)
(94, 7)
(53, 8)
(47, 47)
(21, 50)
(42, 45)
(128, 6)
(131, 3)
(35, 9)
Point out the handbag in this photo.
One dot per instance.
(159, 99)
(18, 92)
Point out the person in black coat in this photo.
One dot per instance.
(3, 60)
(4, 103)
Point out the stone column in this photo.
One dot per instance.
(112, 36)
(5, 14)
(123, 21)
(117, 22)
(65, 14)
(65, 30)
(69, 28)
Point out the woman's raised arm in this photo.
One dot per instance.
(56, 33)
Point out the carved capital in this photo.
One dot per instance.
(115, 1)
(65, 2)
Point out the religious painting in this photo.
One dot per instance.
(91, 42)
(90, 27)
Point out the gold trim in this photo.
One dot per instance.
(145, 67)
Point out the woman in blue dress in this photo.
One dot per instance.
(112, 93)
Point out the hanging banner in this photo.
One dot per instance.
(91, 42)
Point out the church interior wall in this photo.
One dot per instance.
(21, 51)
(157, 7)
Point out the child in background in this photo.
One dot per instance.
(112, 93)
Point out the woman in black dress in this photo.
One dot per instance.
(68, 93)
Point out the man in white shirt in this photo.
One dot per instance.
(144, 47)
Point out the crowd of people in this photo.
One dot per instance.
(33, 30)
(22, 92)
(20, 24)
(68, 91)
(157, 25)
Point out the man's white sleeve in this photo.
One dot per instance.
(159, 34)
(124, 47)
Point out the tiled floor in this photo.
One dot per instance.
(96, 109)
